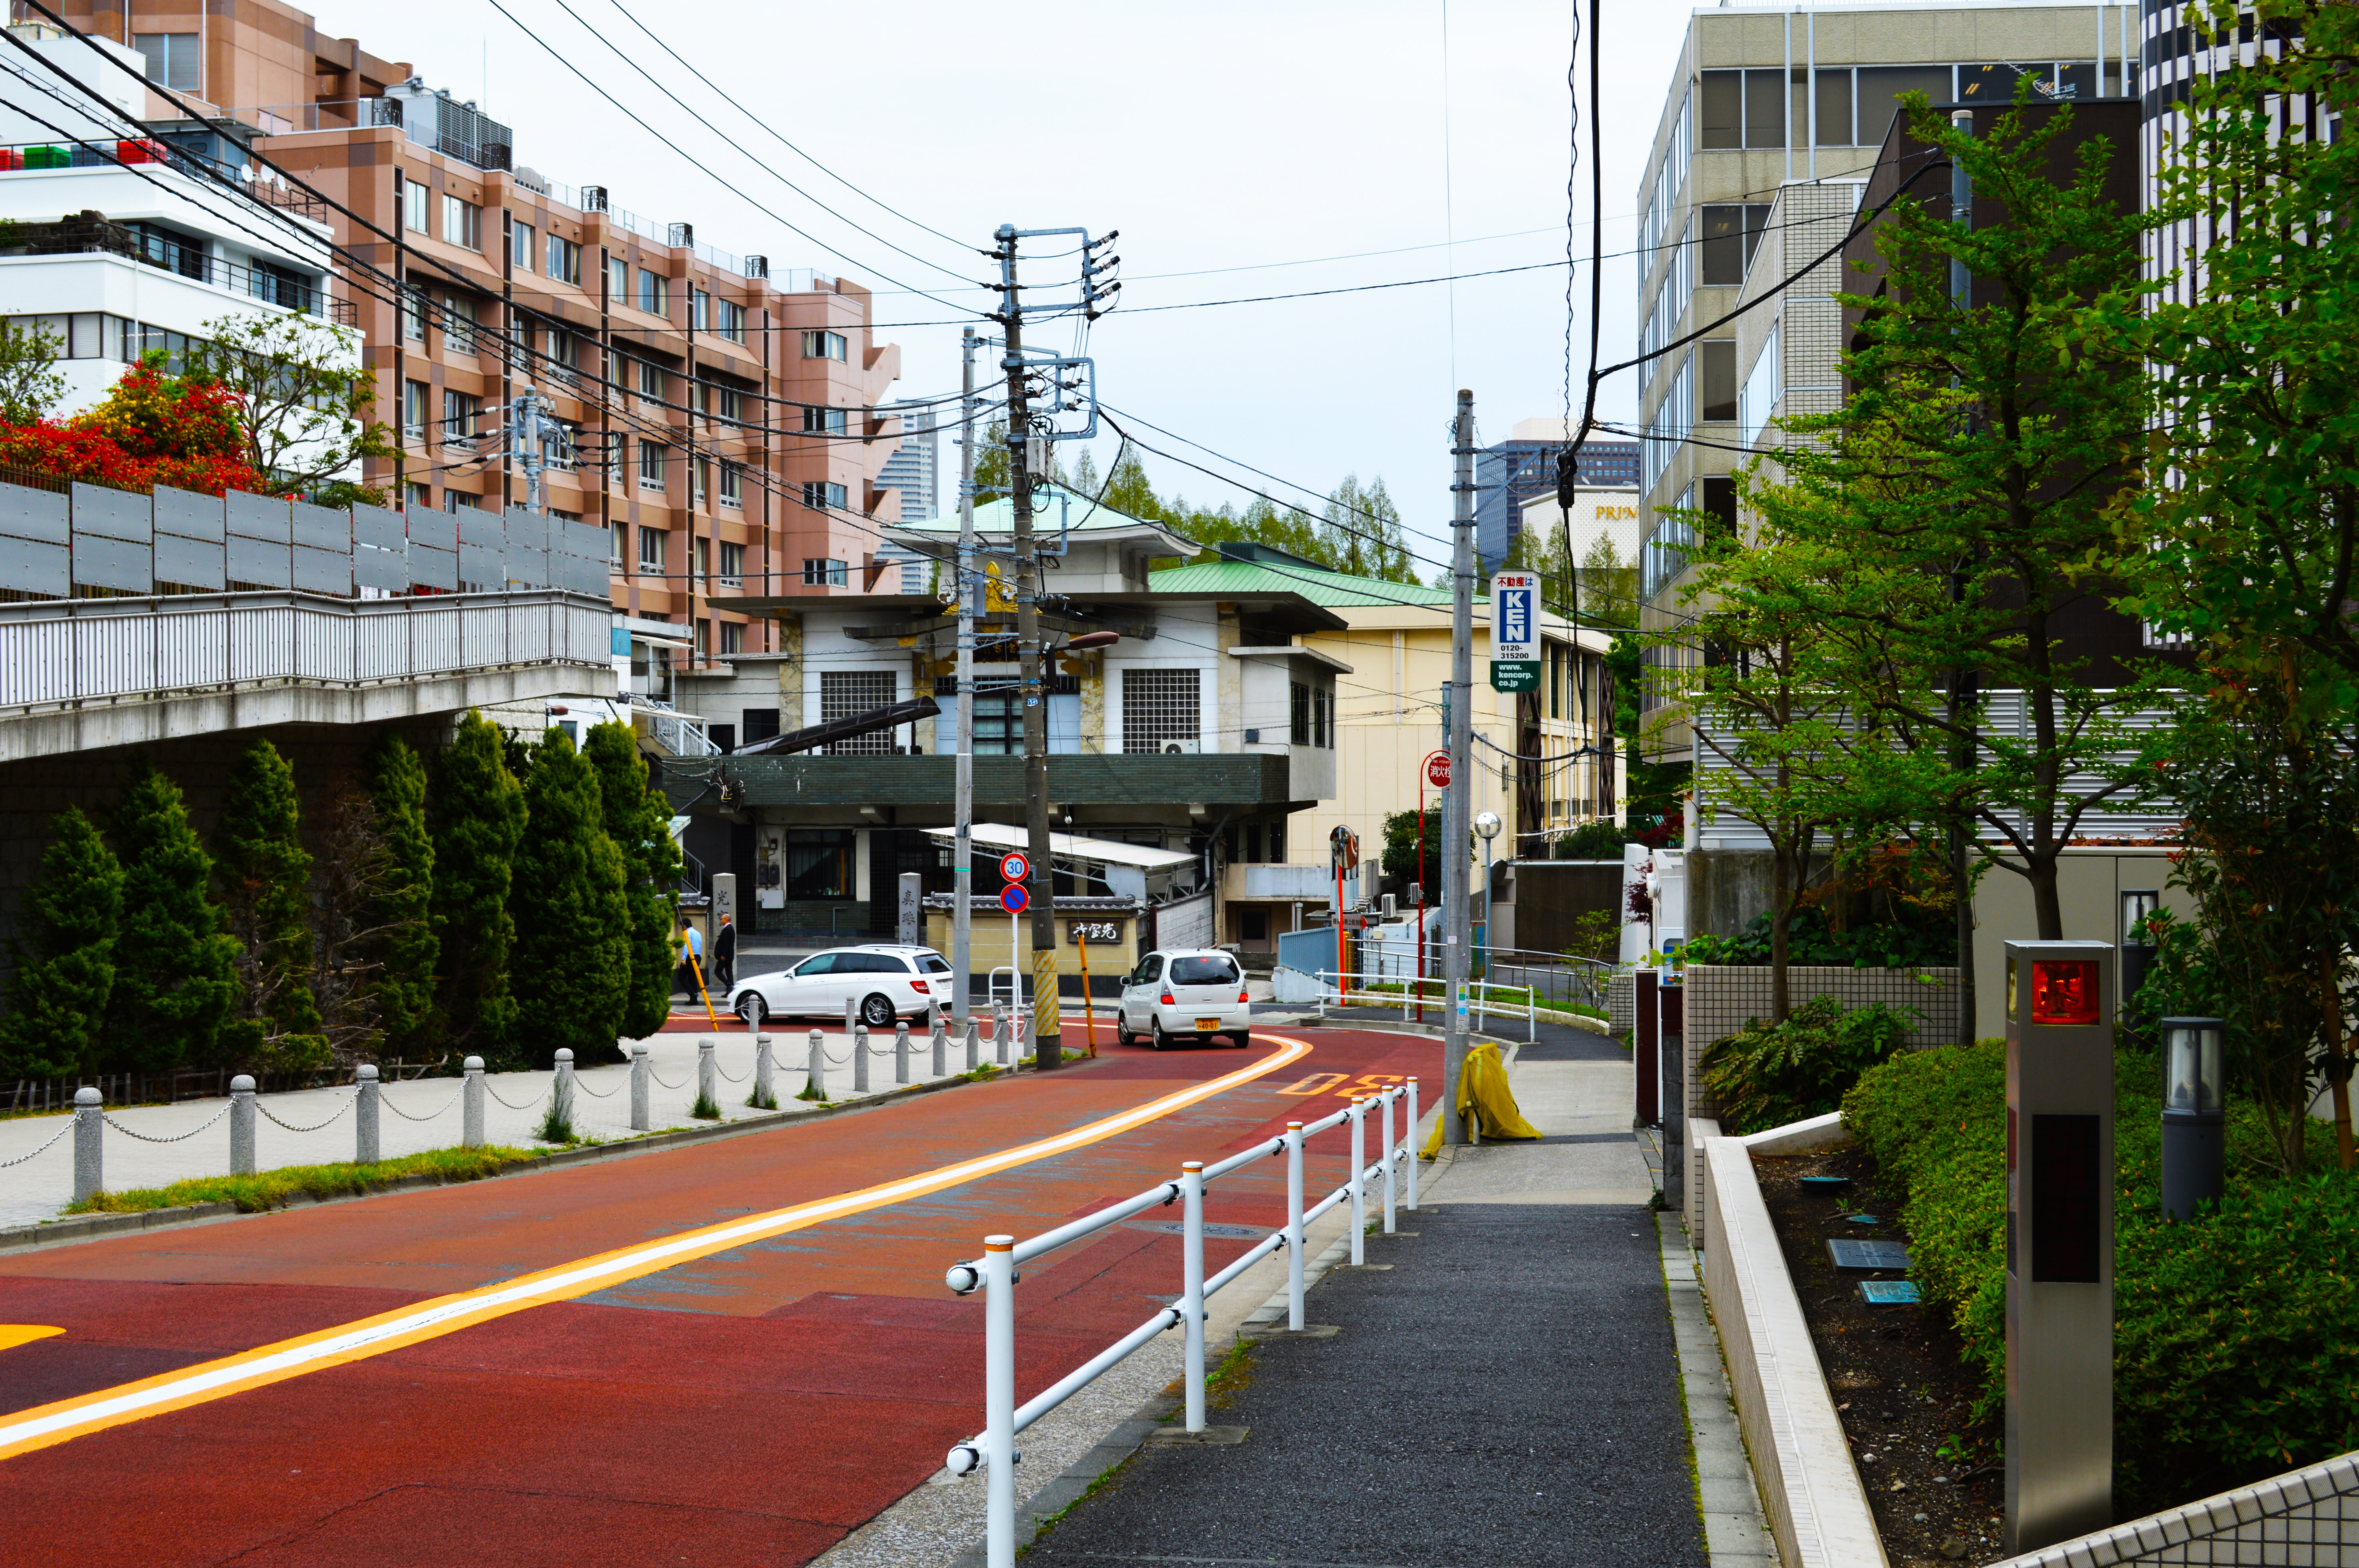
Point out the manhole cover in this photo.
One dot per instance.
(1888, 1292)
(1224, 1232)
(1868, 1254)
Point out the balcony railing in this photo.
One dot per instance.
(262, 186)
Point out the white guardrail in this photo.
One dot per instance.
(995, 1273)
(1349, 988)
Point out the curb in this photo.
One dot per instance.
(97, 1226)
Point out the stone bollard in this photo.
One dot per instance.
(973, 1044)
(90, 1171)
(708, 1085)
(999, 1031)
(942, 1042)
(816, 1074)
(851, 1017)
(240, 1126)
(560, 1090)
(900, 1050)
(470, 1105)
(860, 1058)
(763, 1094)
(639, 1119)
(368, 1095)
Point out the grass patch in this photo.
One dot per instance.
(705, 1109)
(982, 1075)
(273, 1189)
(811, 1093)
(556, 1126)
(760, 1101)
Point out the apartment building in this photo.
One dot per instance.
(1765, 102)
(714, 417)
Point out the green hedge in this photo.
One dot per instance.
(2236, 1334)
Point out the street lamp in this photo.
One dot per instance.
(2194, 1122)
(1486, 827)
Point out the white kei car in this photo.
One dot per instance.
(1195, 993)
(884, 980)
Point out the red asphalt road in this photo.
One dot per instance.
(761, 1403)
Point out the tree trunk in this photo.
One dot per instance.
(1781, 911)
(2047, 908)
(2338, 1062)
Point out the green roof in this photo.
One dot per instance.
(1329, 589)
(1047, 514)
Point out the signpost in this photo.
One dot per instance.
(1436, 768)
(1515, 632)
(1343, 849)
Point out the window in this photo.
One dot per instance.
(650, 379)
(459, 325)
(844, 693)
(415, 201)
(732, 405)
(1834, 108)
(462, 223)
(564, 259)
(172, 60)
(699, 472)
(732, 563)
(651, 550)
(619, 539)
(460, 412)
(826, 421)
(1322, 718)
(761, 724)
(520, 245)
(1759, 396)
(1203, 971)
(825, 346)
(701, 550)
(733, 637)
(818, 865)
(699, 309)
(1731, 235)
(825, 574)
(413, 409)
(1880, 87)
(703, 639)
(732, 485)
(1298, 707)
(732, 322)
(651, 465)
(618, 281)
(1716, 378)
(420, 497)
(655, 296)
(1743, 109)
(819, 495)
(1161, 710)
(413, 315)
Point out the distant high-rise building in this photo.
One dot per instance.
(1524, 466)
(913, 468)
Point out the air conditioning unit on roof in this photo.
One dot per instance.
(1182, 748)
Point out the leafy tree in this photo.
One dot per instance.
(400, 898)
(1608, 585)
(305, 393)
(1361, 532)
(62, 957)
(176, 979)
(261, 871)
(573, 964)
(476, 816)
(1127, 489)
(29, 384)
(639, 819)
(152, 428)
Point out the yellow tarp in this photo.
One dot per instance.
(1482, 1091)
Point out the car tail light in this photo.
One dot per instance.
(1242, 996)
(1167, 1002)
(921, 986)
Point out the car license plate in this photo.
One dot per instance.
(1208, 1024)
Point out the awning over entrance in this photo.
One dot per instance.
(1132, 871)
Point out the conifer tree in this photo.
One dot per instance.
(404, 945)
(639, 819)
(476, 815)
(261, 872)
(175, 968)
(572, 963)
(63, 956)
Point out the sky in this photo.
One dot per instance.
(1223, 140)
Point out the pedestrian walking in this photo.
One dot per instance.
(724, 955)
(692, 946)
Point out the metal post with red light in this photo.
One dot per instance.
(2059, 1241)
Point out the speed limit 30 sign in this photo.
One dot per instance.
(1014, 867)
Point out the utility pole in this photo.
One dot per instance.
(525, 423)
(1458, 908)
(1048, 1042)
(963, 812)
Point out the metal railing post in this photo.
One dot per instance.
(1532, 1010)
(707, 1084)
(1387, 1097)
(1409, 1137)
(240, 1126)
(999, 1398)
(999, 1031)
(471, 1104)
(364, 1139)
(815, 1074)
(900, 1050)
(860, 1058)
(1359, 1114)
(639, 1119)
(973, 1043)
(89, 1168)
(560, 1090)
(1294, 1226)
(942, 1042)
(1191, 1284)
(764, 1095)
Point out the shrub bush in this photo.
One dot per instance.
(1767, 1074)
(2237, 1333)
(1882, 946)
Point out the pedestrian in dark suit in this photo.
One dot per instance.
(724, 954)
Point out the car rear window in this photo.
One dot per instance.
(1202, 972)
(937, 965)
(874, 963)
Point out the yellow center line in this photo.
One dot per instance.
(68, 1419)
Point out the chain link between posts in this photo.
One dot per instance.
(594, 1094)
(674, 1087)
(429, 1116)
(526, 1106)
(176, 1137)
(316, 1125)
(725, 1071)
(45, 1147)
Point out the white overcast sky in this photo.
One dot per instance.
(1212, 136)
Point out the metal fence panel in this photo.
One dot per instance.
(263, 563)
(434, 635)
(38, 515)
(191, 563)
(192, 649)
(323, 571)
(189, 514)
(260, 517)
(33, 566)
(381, 648)
(387, 569)
(113, 653)
(481, 569)
(101, 562)
(262, 648)
(378, 528)
(430, 566)
(116, 513)
(323, 527)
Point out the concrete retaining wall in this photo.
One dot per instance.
(1816, 1502)
(2303, 1517)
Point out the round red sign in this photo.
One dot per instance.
(1014, 867)
(1436, 768)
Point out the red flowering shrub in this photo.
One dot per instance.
(152, 429)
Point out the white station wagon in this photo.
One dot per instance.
(1191, 994)
(885, 981)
